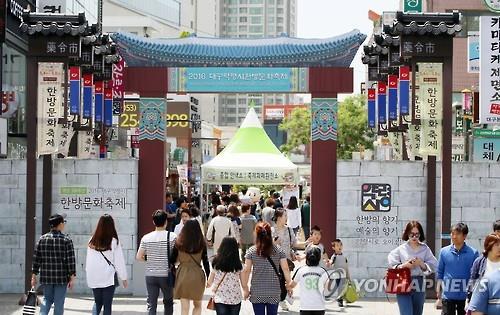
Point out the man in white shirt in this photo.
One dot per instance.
(154, 250)
(220, 227)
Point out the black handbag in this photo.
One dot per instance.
(281, 279)
(117, 283)
(171, 266)
(30, 304)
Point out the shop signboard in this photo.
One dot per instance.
(50, 78)
(413, 6)
(489, 77)
(233, 80)
(473, 52)
(486, 150)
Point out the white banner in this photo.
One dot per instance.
(183, 171)
(64, 134)
(431, 139)
(489, 77)
(431, 90)
(396, 139)
(458, 145)
(50, 100)
(414, 135)
(85, 140)
(473, 52)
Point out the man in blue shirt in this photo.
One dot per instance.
(453, 272)
(170, 209)
(486, 297)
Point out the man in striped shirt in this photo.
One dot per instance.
(154, 250)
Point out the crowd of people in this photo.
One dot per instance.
(242, 250)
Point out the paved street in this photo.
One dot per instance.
(128, 305)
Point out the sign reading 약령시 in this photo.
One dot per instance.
(232, 80)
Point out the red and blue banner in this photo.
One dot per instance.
(99, 100)
(372, 110)
(382, 102)
(404, 91)
(87, 95)
(108, 105)
(393, 97)
(74, 90)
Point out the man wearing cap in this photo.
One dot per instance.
(54, 260)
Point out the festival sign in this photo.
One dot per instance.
(393, 98)
(431, 90)
(50, 78)
(74, 90)
(108, 106)
(415, 139)
(85, 141)
(376, 197)
(118, 86)
(92, 199)
(234, 79)
(396, 140)
(404, 90)
(130, 116)
(87, 95)
(382, 102)
(489, 77)
(99, 100)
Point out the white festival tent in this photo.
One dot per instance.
(250, 158)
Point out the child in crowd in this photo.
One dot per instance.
(315, 241)
(338, 261)
(312, 279)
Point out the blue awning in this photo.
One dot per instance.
(195, 51)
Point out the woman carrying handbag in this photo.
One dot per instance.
(225, 279)
(414, 259)
(105, 264)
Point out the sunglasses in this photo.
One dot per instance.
(414, 235)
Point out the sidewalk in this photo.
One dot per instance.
(129, 305)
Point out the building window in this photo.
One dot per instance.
(230, 110)
(279, 29)
(230, 120)
(242, 28)
(243, 11)
(232, 11)
(279, 10)
(242, 110)
(271, 28)
(280, 2)
(256, 1)
(243, 1)
(243, 19)
(279, 20)
(270, 10)
(255, 11)
(230, 2)
(232, 19)
(256, 19)
(270, 19)
(256, 29)
(270, 1)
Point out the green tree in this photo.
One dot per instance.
(298, 129)
(353, 132)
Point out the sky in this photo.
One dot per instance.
(327, 18)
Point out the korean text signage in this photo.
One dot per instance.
(426, 46)
(178, 119)
(278, 112)
(393, 97)
(52, 6)
(130, 116)
(50, 78)
(92, 199)
(413, 6)
(486, 133)
(14, 16)
(74, 90)
(118, 86)
(473, 52)
(232, 80)
(404, 90)
(59, 46)
(372, 120)
(486, 150)
(431, 102)
(489, 77)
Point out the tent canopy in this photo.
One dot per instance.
(250, 158)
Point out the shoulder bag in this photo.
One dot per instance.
(211, 302)
(117, 283)
(171, 265)
(291, 265)
(281, 279)
(398, 281)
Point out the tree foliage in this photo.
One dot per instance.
(353, 132)
(298, 129)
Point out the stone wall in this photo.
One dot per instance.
(115, 179)
(475, 201)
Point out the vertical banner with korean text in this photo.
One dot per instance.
(50, 78)
(108, 105)
(372, 107)
(489, 77)
(382, 102)
(393, 97)
(118, 86)
(85, 142)
(99, 100)
(431, 102)
(404, 90)
(74, 90)
(87, 95)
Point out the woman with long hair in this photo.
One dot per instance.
(233, 213)
(225, 278)
(415, 255)
(189, 251)
(486, 263)
(263, 260)
(294, 215)
(104, 259)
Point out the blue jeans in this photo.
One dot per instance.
(260, 308)
(53, 294)
(413, 303)
(103, 297)
(227, 309)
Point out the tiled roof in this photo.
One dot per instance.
(425, 24)
(221, 52)
(55, 24)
